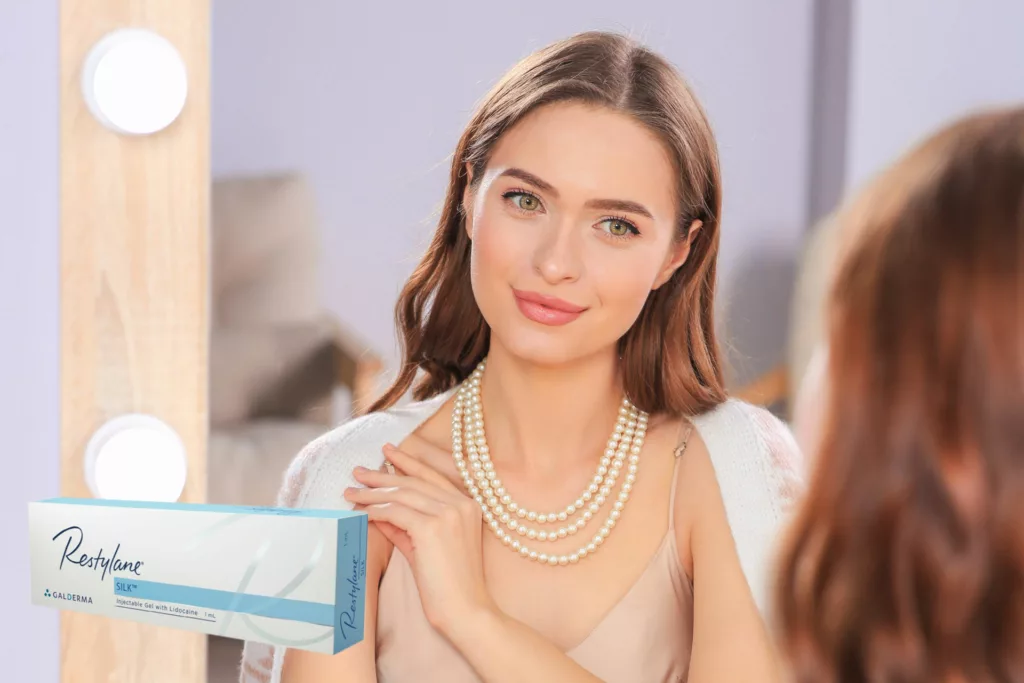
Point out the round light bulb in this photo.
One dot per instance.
(135, 81)
(136, 457)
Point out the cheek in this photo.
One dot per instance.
(624, 282)
(497, 252)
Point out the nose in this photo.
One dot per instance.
(557, 257)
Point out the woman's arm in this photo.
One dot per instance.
(356, 664)
(730, 641)
(503, 650)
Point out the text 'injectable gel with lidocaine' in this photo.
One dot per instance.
(281, 576)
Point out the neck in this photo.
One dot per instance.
(542, 418)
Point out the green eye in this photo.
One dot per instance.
(526, 202)
(619, 228)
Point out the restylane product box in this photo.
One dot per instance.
(282, 576)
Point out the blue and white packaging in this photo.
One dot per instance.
(282, 576)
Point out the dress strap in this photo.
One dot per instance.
(684, 438)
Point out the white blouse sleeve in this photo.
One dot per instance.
(759, 469)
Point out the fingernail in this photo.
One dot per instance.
(389, 447)
(359, 469)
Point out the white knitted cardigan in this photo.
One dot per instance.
(756, 461)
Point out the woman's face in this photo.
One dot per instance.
(573, 225)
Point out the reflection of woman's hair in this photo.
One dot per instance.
(670, 359)
(906, 560)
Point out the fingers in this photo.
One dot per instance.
(416, 467)
(378, 479)
(407, 496)
(410, 521)
(397, 538)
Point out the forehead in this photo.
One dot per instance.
(587, 151)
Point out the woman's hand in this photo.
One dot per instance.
(439, 531)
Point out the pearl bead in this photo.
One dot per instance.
(483, 483)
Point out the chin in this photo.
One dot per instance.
(544, 347)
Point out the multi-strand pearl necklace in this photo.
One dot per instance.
(472, 457)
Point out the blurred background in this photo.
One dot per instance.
(332, 126)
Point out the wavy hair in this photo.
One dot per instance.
(905, 562)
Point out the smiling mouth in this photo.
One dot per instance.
(547, 310)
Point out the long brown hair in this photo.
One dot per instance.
(905, 562)
(670, 358)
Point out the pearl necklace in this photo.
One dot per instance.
(499, 509)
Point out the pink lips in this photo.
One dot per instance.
(546, 310)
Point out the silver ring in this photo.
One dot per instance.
(389, 467)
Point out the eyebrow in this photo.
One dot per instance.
(603, 204)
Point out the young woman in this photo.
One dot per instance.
(906, 561)
(571, 497)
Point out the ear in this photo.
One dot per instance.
(467, 201)
(677, 255)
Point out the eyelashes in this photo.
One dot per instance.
(526, 202)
